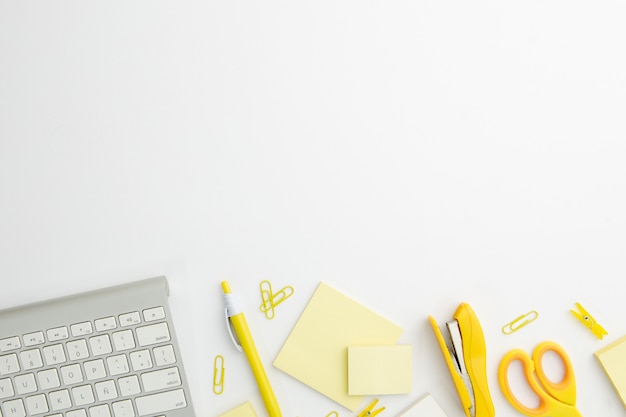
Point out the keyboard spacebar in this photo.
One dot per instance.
(161, 402)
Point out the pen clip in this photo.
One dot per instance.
(233, 334)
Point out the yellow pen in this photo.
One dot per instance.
(236, 318)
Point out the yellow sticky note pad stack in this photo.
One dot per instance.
(244, 410)
(316, 351)
(613, 361)
(379, 370)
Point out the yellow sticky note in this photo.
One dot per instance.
(244, 410)
(425, 407)
(613, 360)
(379, 370)
(316, 351)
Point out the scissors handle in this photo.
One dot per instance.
(555, 399)
(528, 367)
(565, 390)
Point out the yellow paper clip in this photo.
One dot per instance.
(588, 321)
(520, 322)
(271, 300)
(369, 410)
(332, 414)
(218, 374)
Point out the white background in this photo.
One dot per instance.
(412, 154)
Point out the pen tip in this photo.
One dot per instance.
(225, 287)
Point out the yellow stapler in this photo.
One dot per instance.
(467, 361)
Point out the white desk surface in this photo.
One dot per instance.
(412, 154)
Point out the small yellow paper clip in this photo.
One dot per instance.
(369, 411)
(520, 322)
(589, 322)
(271, 300)
(218, 374)
(332, 414)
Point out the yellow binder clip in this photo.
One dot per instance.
(369, 410)
(271, 299)
(520, 322)
(218, 374)
(589, 322)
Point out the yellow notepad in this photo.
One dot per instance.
(613, 360)
(379, 370)
(316, 351)
(244, 410)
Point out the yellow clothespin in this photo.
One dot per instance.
(589, 322)
(369, 411)
(218, 374)
(271, 299)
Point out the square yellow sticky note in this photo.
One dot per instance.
(613, 360)
(379, 370)
(244, 410)
(425, 407)
(316, 351)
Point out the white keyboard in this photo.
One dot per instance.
(106, 353)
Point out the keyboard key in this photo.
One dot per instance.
(76, 413)
(31, 359)
(123, 340)
(123, 409)
(100, 345)
(161, 402)
(58, 333)
(6, 388)
(106, 390)
(48, 379)
(25, 384)
(77, 350)
(54, 354)
(155, 333)
(158, 380)
(71, 374)
(140, 360)
(10, 343)
(37, 404)
(81, 329)
(95, 369)
(129, 385)
(99, 411)
(83, 395)
(106, 323)
(130, 319)
(60, 400)
(32, 339)
(164, 355)
(14, 408)
(155, 313)
(117, 364)
(9, 364)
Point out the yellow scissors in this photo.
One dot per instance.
(556, 399)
